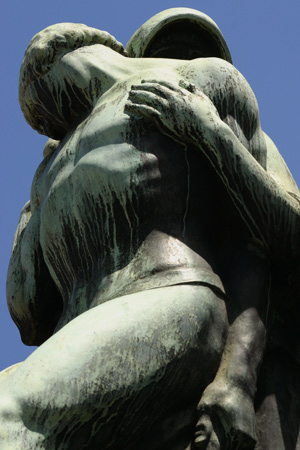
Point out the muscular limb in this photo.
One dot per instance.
(117, 372)
(227, 418)
(32, 297)
(188, 116)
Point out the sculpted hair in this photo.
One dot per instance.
(43, 51)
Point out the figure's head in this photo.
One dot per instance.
(50, 105)
(179, 33)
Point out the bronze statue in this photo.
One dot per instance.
(143, 263)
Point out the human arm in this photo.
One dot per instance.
(188, 116)
(33, 299)
(227, 418)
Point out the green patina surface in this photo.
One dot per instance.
(143, 264)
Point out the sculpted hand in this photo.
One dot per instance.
(179, 110)
(226, 419)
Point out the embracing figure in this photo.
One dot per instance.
(141, 265)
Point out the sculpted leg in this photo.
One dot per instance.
(100, 378)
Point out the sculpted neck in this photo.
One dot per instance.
(96, 62)
(98, 68)
(74, 84)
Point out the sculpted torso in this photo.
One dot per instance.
(140, 266)
(125, 208)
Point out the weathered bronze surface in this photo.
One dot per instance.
(156, 262)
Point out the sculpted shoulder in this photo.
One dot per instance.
(211, 67)
(216, 77)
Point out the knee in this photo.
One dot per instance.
(201, 325)
(213, 322)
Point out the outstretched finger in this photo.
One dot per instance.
(186, 85)
(161, 88)
(150, 98)
(141, 111)
(172, 85)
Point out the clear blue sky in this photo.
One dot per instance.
(263, 37)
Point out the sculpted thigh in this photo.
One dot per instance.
(156, 350)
